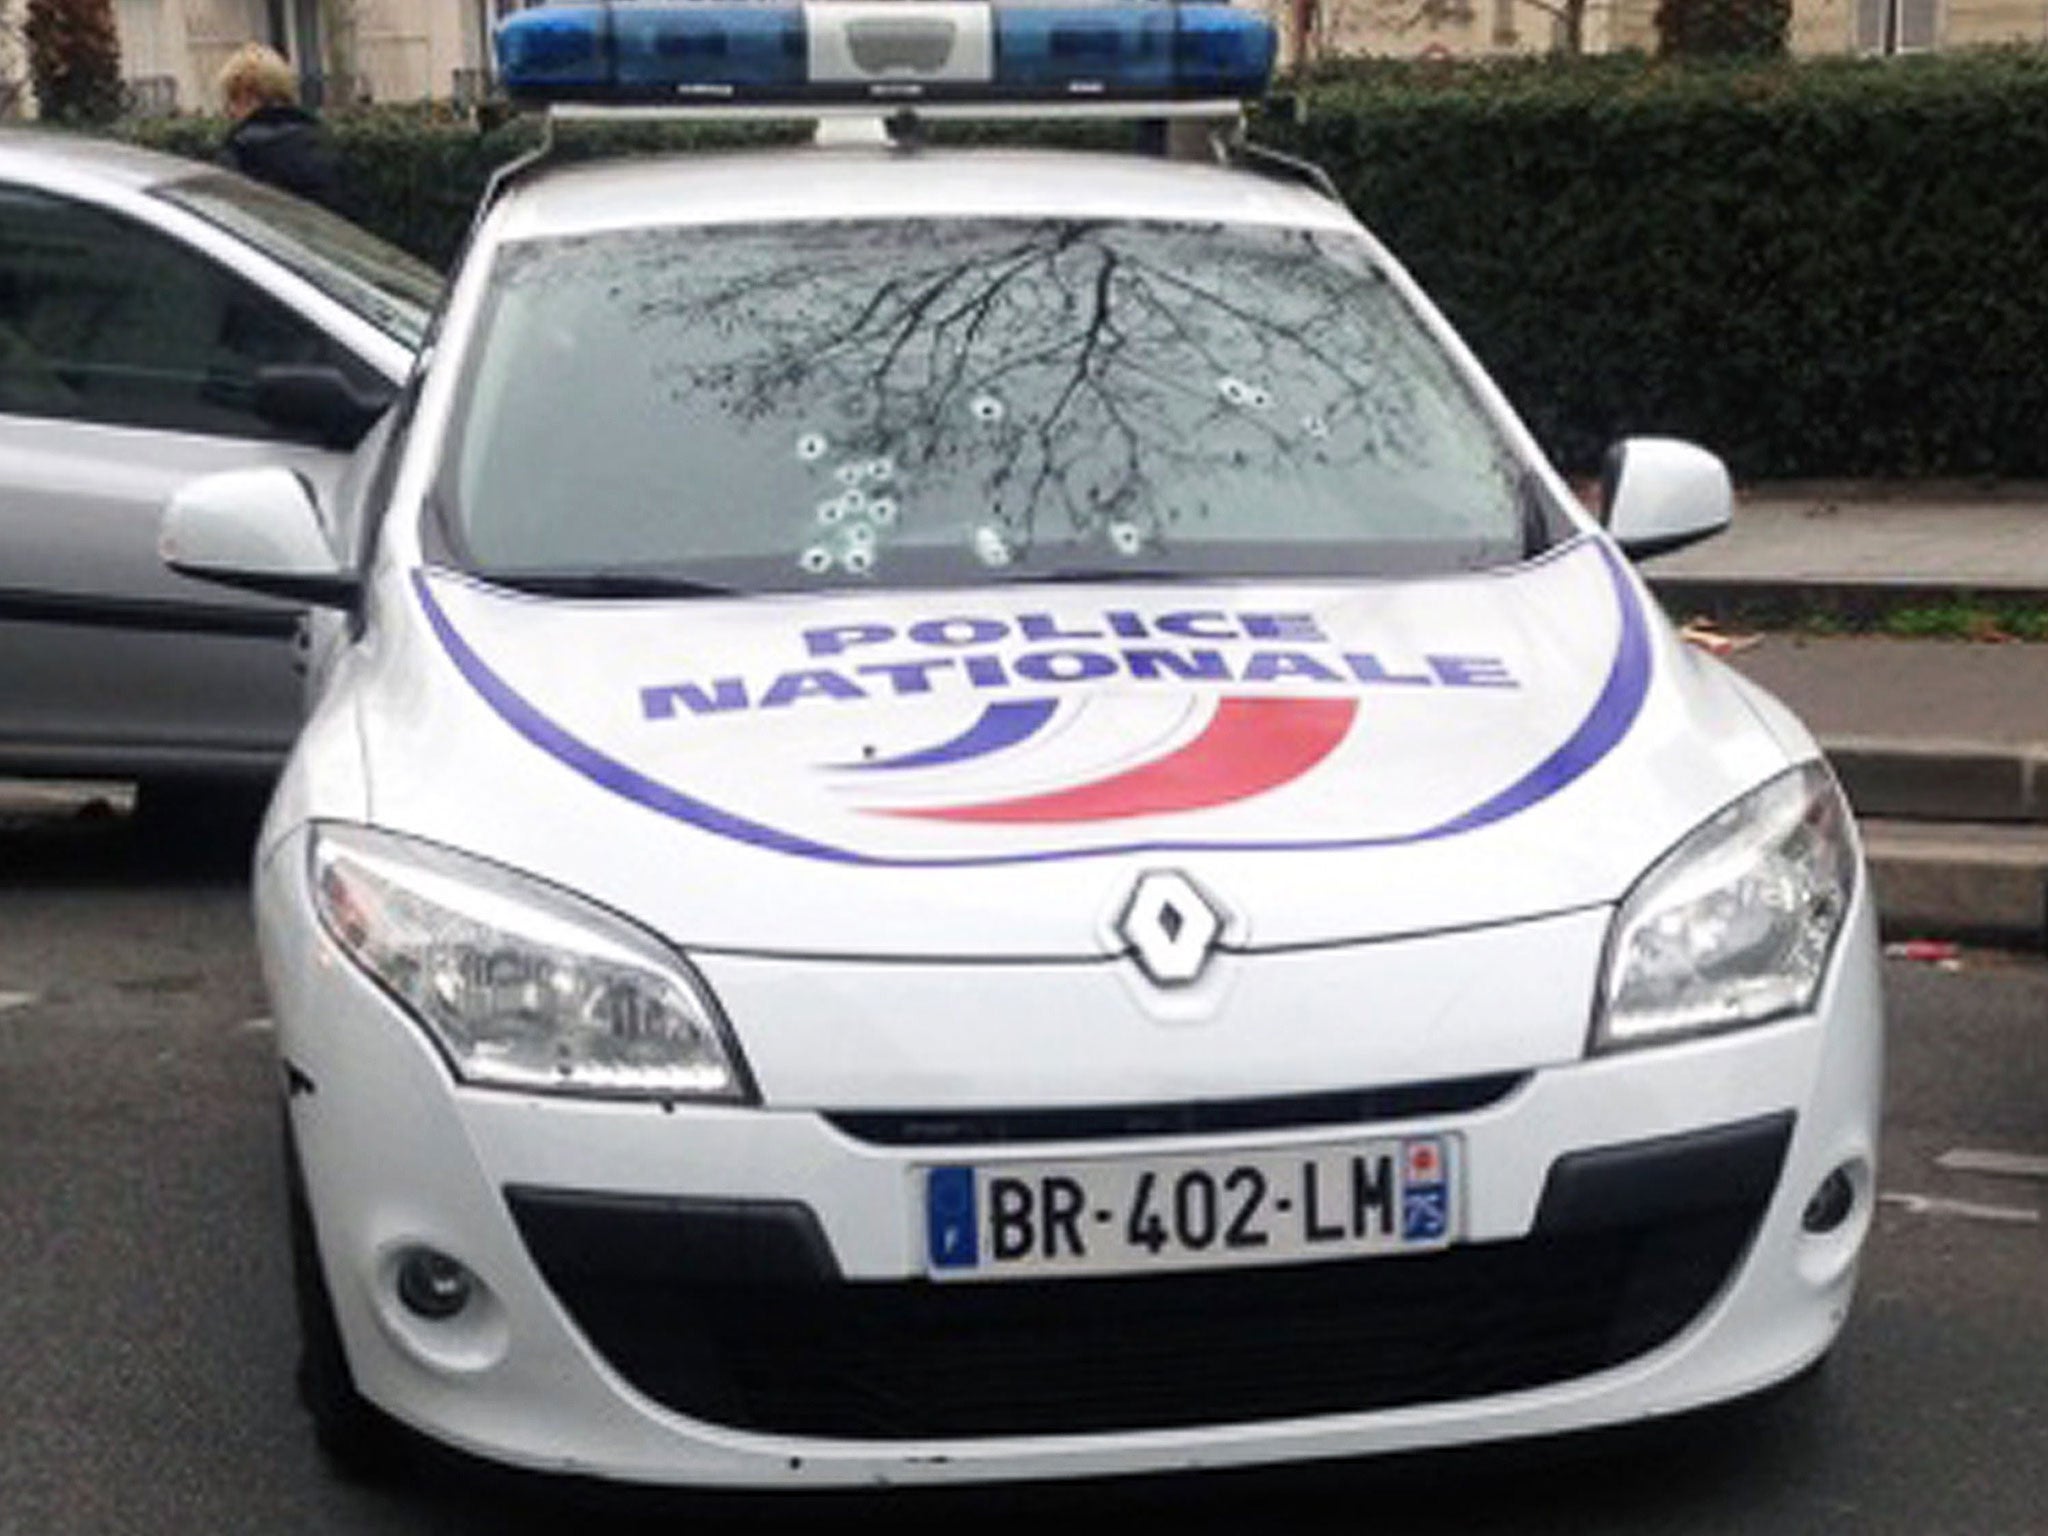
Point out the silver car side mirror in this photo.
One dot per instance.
(257, 529)
(1660, 494)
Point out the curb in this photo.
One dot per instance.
(1736, 602)
(1937, 781)
(1973, 884)
(1853, 491)
(1956, 836)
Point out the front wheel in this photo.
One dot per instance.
(358, 1439)
(211, 821)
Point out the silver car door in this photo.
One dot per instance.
(127, 366)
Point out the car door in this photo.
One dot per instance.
(128, 365)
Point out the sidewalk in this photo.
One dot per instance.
(1941, 744)
(1866, 545)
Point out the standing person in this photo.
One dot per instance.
(274, 138)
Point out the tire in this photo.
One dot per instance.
(214, 821)
(358, 1440)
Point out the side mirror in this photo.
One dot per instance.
(1659, 494)
(319, 403)
(257, 529)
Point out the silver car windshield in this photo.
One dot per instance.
(392, 290)
(957, 401)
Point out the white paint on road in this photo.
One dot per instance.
(2004, 1165)
(261, 1026)
(9, 1000)
(1965, 1210)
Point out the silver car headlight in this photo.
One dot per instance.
(1736, 924)
(520, 983)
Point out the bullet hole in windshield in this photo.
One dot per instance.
(1237, 392)
(990, 547)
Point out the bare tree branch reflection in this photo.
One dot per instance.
(1096, 380)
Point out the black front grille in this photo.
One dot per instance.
(1114, 1122)
(783, 1345)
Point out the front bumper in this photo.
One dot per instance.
(721, 1296)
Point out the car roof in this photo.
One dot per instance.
(56, 155)
(826, 183)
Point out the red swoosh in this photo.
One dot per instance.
(1248, 747)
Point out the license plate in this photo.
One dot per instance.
(1142, 1214)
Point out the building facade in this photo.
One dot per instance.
(13, 67)
(345, 50)
(1475, 28)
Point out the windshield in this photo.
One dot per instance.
(894, 402)
(393, 291)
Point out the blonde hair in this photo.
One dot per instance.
(259, 75)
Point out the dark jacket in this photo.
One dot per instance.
(289, 148)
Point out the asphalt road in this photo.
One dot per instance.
(146, 1339)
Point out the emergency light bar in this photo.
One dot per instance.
(897, 52)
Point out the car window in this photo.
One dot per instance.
(103, 319)
(392, 290)
(772, 407)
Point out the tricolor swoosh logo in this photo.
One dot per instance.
(1248, 747)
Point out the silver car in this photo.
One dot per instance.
(161, 319)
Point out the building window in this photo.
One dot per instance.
(1897, 26)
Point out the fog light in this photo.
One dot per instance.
(1830, 1204)
(432, 1285)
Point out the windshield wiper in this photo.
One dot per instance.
(618, 584)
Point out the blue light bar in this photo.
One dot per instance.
(898, 52)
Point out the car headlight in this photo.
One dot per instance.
(1735, 925)
(520, 983)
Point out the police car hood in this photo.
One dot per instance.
(988, 772)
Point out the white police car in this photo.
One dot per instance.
(982, 815)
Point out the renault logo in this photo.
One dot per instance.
(1171, 928)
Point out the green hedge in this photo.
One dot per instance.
(1830, 268)
(416, 174)
(1817, 269)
